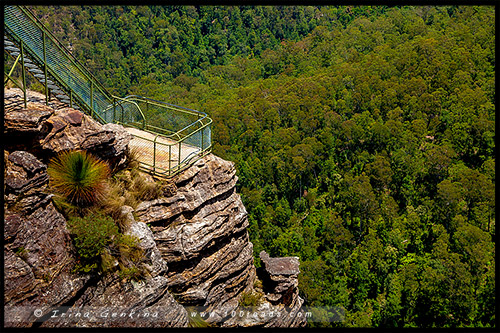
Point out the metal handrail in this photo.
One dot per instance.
(61, 46)
(84, 89)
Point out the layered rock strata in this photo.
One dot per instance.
(280, 304)
(39, 261)
(201, 233)
(280, 278)
(38, 257)
(47, 131)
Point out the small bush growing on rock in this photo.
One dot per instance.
(91, 234)
(258, 284)
(78, 176)
(22, 252)
(130, 273)
(67, 209)
(129, 248)
(146, 190)
(113, 203)
(250, 299)
(108, 262)
(196, 321)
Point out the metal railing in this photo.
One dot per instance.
(179, 137)
(170, 137)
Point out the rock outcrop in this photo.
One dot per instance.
(195, 240)
(47, 132)
(134, 299)
(28, 121)
(280, 278)
(69, 129)
(39, 262)
(280, 305)
(201, 232)
(154, 262)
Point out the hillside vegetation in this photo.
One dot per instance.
(364, 138)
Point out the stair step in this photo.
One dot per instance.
(65, 101)
(58, 92)
(30, 65)
(62, 96)
(41, 76)
(8, 42)
(12, 48)
(52, 86)
(15, 54)
(35, 70)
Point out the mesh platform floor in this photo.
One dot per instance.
(145, 150)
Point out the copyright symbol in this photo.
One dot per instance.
(38, 313)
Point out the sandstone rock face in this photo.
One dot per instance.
(280, 305)
(134, 299)
(70, 129)
(156, 265)
(37, 250)
(119, 146)
(39, 260)
(111, 294)
(49, 131)
(27, 121)
(201, 233)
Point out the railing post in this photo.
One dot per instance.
(143, 118)
(45, 69)
(202, 129)
(114, 108)
(179, 164)
(92, 99)
(23, 76)
(154, 154)
(169, 159)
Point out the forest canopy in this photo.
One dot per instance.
(363, 137)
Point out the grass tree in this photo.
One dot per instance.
(78, 176)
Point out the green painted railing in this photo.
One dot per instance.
(171, 136)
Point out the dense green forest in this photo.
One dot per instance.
(364, 138)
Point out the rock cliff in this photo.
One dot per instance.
(201, 233)
(195, 239)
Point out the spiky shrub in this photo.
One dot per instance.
(78, 176)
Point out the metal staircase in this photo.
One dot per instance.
(34, 69)
(179, 136)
